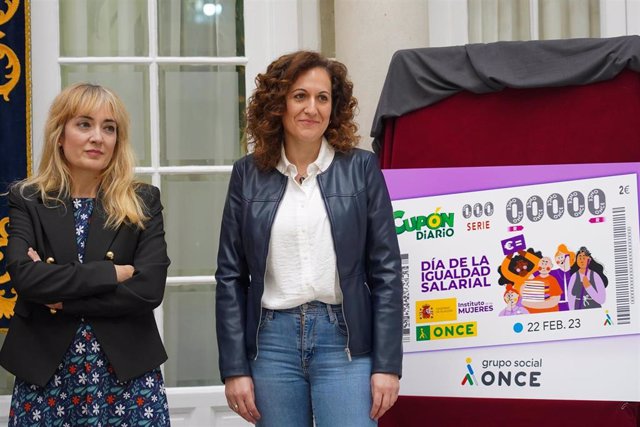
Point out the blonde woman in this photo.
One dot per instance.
(564, 259)
(87, 257)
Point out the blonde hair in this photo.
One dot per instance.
(117, 188)
(562, 249)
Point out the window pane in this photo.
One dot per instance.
(193, 209)
(200, 28)
(131, 83)
(199, 114)
(147, 179)
(189, 331)
(104, 28)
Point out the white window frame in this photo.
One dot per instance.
(272, 28)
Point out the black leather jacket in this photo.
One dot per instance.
(367, 254)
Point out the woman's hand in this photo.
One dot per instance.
(240, 397)
(123, 272)
(384, 390)
(33, 255)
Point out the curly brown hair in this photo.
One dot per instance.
(265, 132)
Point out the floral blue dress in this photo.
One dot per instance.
(84, 391)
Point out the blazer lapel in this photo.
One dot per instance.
(59, 227)
(100, 237)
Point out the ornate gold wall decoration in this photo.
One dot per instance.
(4, 240)
(13, 8)
(13, 63)
(6, 303)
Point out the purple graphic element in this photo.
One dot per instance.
(412, 183)
(513, 244)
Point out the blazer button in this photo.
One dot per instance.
(109, 255)
(53, 310)
(50, 260)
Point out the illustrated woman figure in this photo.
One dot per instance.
(587, 282)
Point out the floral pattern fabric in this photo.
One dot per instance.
(82, 210)
(84, 391)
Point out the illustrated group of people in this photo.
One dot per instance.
(532, 285)
(309, 293)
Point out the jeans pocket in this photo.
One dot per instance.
(265, 318)
(339, 322)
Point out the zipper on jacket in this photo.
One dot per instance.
(271, 220)
(326, 206)
(366, 285)
(346, 325)
(346, 349)
(258, 331)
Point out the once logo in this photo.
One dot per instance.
(446, 331)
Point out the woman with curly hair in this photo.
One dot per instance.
(309, 292)
(88, 260)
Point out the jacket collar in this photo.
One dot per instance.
(58, 225)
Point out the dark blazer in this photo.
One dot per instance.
(121, 315)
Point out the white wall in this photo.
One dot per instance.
(367, 34)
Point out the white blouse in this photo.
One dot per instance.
(301, 263)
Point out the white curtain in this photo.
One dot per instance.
(494, 20)
(569, 19)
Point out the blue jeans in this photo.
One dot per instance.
(302, 371)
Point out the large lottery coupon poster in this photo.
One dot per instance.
(520, 281)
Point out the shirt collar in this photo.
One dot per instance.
(321, 163)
